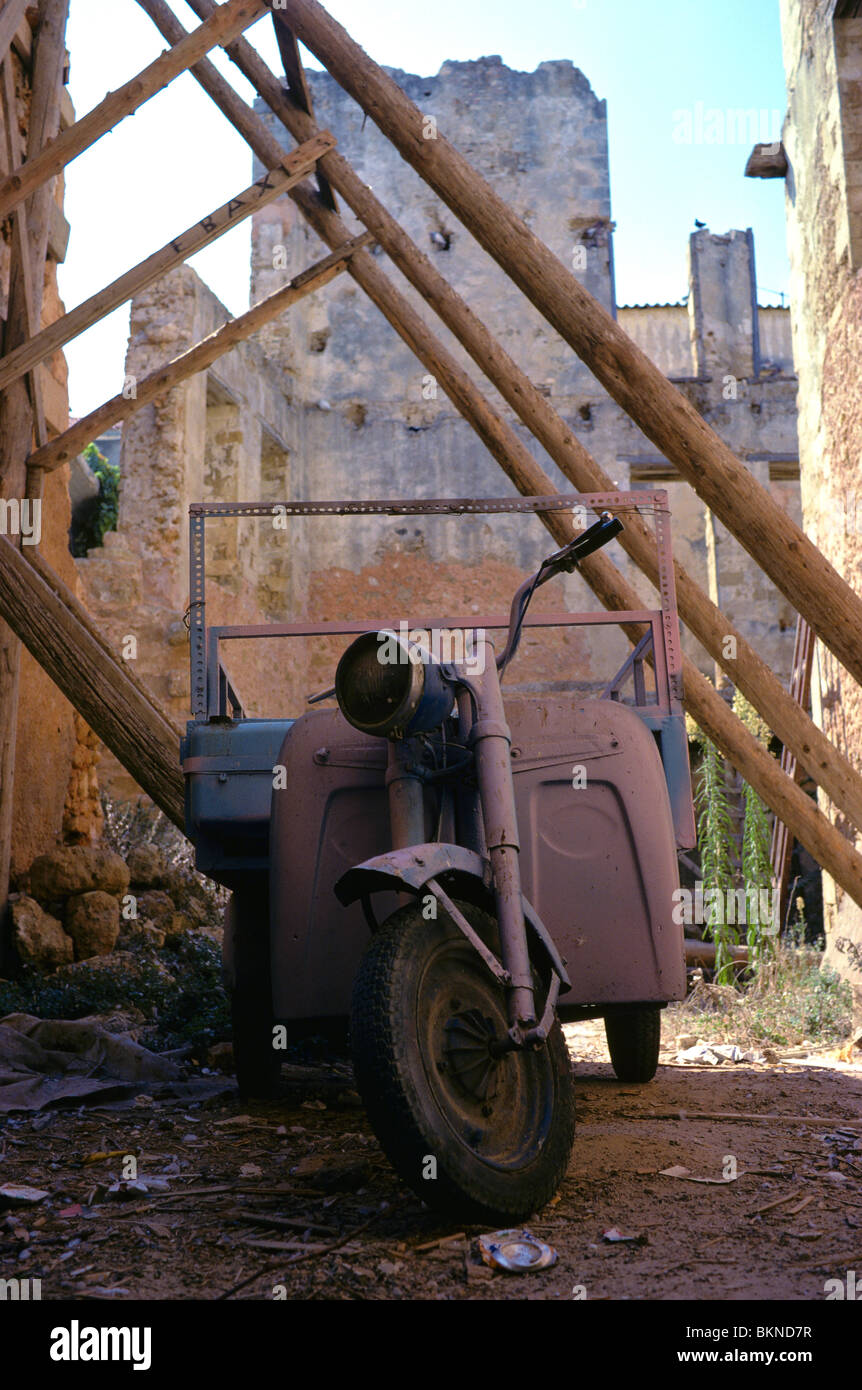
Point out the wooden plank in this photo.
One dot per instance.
(706, 706)
(228, 21)
(21, 250)
(10, 17)
(21, 408)
(22, 43)
(663, 413)
(297, 85)
(821, 760)
(293, 167)
(197, 358)
(58, 634)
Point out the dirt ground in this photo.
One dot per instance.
(297, 1200)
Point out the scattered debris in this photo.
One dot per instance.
(614, 1236)
(779, 1202)
(715, 1054)
(333, 1172)
(13, 1195)
(517, 1252)
(435, 1244)
(137, 1187)
(42, 1062)
(679, 1172)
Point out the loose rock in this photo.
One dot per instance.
(76, 869)
(147, 866)
(157, 907)
(93, 922)
(39, 937)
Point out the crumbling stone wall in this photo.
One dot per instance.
(223, 435)
(823, 140)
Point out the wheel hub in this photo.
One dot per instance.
(468, 1055)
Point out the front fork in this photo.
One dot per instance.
(493, 831)
(491, 741)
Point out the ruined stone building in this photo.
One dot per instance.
(822, 144)
(328, 403)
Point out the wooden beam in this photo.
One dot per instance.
(49, 61)
(57, 632)
(197, 358)
(663, 413)
(272, 185)
(20, 409)
(250, 126)
(10, 17)
(703, 952)
(21, 242)
(297, 85)
(821, 760)
(229, 20)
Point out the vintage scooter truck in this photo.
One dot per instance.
(454, 871)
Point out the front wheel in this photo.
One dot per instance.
(487, 1139)
(634, 1039)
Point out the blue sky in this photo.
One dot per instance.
(673, 73)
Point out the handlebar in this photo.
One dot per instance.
(595, 536)
(562, 561)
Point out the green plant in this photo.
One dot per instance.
(761, 914)
(102, 516)
(716, 844)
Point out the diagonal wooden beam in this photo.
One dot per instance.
(823, 762)
(272, 185)
(197, 358)
(750, 513)
(57, 631)
(10, 18)
(229, 20)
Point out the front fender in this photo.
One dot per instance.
(413, 867)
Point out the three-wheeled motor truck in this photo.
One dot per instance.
(455, 872)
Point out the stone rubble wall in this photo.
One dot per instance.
(823, 140)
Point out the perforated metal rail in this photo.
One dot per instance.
(207, 679)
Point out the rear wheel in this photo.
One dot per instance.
(482, 1137)
(258, 1065)
(634, 1039)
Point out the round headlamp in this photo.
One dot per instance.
(386, 685)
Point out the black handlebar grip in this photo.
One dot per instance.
(598, 535)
